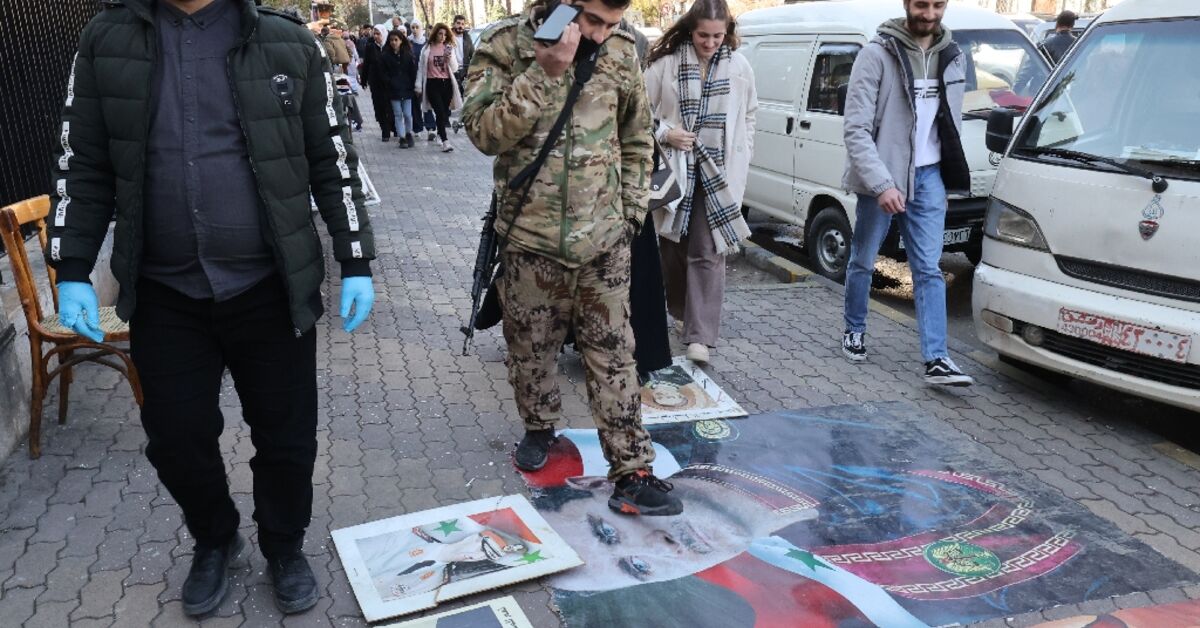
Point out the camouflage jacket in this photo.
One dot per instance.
(597, 177)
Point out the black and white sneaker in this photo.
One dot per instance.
(853, 347)
(944, 372)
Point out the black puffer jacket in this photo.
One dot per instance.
(297, 144)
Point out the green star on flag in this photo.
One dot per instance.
(809, 560)
(448, 526)
(532, 557)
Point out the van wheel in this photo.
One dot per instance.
(828, 243)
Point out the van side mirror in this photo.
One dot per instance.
(1000, 129)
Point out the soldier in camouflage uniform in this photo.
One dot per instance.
(567, 255)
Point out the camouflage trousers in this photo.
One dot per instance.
(542, 301)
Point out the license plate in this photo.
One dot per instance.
(951, 236)
(1124, 335)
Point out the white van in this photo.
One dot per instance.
(1091, 265)
(802, 55)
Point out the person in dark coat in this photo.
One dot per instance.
(401, 71)
(1055, 47)
(217, 256)
(376, 77)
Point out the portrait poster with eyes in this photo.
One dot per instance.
(857, 515)
(684, 392)
(418, 560)
(498, 613)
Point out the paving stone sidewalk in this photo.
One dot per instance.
(88, 538)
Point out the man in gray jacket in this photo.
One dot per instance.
(904, 151)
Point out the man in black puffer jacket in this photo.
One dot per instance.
(203, 126)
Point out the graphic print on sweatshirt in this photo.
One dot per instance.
(928, 145)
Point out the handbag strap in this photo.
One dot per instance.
(525, 178)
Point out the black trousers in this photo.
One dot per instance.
(181, 347)
(441, 92)
(383, 110)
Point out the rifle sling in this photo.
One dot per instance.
(525, 178)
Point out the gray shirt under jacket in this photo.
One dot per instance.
(203, 235)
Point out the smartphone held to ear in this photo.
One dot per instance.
(552, 28)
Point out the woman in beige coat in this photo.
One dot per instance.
(436, 87)
(703, 98)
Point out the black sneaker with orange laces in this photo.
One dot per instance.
(640, 493)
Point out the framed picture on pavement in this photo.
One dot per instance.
(416, 561)
(684, 392)
(501, 612)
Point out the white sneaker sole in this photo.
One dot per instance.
(853, 357)
(949, 380)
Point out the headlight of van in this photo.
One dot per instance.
(1009, 224)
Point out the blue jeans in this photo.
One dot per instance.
(404, 121)
(921, 226)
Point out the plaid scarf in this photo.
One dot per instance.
(703, 107)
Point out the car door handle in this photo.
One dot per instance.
(805, 124)
(791, 121)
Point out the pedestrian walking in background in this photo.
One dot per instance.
(436, 86)
(567, 253)
(402, 77)
(218, 262)
(1055, 47)
(464, 49)
(704, 102)
(339, 54)
(377, 81)
(366, 33)
(903, 128)
(423, 120)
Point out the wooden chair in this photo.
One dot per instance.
(69, 347)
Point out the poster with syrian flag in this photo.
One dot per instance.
(846, 516)
(416, 561)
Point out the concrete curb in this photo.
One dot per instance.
(778, 267)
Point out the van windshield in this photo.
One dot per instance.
(1003, 70)
(1128, 94)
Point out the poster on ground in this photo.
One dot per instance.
(684, 392)
(498, 613)
(860, 515)
(416, 561)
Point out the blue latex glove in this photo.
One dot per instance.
(360, 293)
(79, 309)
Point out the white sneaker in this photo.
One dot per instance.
(697, 353)
(446, 147)
(944, 372)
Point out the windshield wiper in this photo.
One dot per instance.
(1159, 157)
(1158, 183)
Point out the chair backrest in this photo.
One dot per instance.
(12, 219)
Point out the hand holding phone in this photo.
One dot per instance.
(553, 27)
(555, 59)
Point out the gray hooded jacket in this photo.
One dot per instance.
(881, 115)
